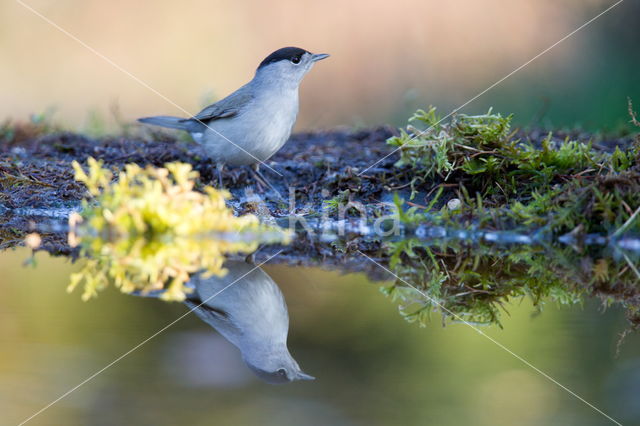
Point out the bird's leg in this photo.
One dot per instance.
(219, 168)
(251, 258)
(260, 181)
(263, 181)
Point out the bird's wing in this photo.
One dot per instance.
(212, 316)
(224, 108)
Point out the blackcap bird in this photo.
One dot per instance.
(255, 121)
(248, 309)
(252, 314)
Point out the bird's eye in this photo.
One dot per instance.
(282, 372)
(295, 59)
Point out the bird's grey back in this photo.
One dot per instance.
(245, 301)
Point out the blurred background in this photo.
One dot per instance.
(388, 58)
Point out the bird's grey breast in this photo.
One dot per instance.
(272, 118)
(259, 129)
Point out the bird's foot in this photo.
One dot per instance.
(262, 183)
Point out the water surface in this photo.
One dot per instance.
(372, 367)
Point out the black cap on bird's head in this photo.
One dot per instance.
(291, 54)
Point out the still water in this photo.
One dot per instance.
(371, 366)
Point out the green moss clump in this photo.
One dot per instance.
(544, 189)
(473, 285)
(506, 182)
(481, 150)
(432, 147)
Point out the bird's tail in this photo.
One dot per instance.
(168, 121)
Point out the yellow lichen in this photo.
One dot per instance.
(149, 230)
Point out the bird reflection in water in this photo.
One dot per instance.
(248, 309)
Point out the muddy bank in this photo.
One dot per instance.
(316, 168)
(320, 172)
(36, 172)
(35, 169)
(343, 174)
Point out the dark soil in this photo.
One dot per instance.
(36, 172)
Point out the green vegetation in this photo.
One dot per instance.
(505, 184)
(474, 282)
(482, 151)
(38, 124)
(150, 229)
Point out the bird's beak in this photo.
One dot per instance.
(319, 56)
(304, 376)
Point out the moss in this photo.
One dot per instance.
(483, 153)
(500, 177)
(474, 283)
(557, 195)
(340, 201)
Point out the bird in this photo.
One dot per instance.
(254, 122)
(248, 309)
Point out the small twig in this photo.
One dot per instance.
(443, 185)
(420, 206)
(626, 207)
(482, 152)
(631, 265)
(503, 191)
(475, 290)
(634, 117)
(393, 188)
(622, 271)
(623, 335)
(583, 172)
(626, 224)
(22, 179)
